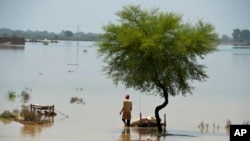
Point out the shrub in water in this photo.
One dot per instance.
(11, 95)
(28, 115)
(7, 114)
(25, 96)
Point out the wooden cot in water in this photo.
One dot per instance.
(48, 110)
(147, 121)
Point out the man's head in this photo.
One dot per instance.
(127, 96)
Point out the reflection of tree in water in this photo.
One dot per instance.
(227, 127)
(33, 129)
(5, 121)
(246, 122)
(144, 133)
(204, 127)
(215, 128)
(228, 123)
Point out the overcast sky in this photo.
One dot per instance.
(91, 15)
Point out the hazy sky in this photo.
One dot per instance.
(91, 15)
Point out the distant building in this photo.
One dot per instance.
(12, 42)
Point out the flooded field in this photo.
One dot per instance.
(88, 104)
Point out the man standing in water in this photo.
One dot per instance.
(126, 111)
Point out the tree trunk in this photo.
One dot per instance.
(158, 108)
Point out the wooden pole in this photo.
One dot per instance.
(53, 108)
(165, 122)
(140, 119)
(77, 44)
(30, 107)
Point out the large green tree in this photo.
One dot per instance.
(156, 52)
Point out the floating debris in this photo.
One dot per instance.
(85, 51)
(28, 89)
(80, 89)
(76, 100)
(70, 71)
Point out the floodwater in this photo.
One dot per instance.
(50, 75)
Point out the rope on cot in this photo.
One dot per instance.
(62, 113)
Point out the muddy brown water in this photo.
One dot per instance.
(44, 72)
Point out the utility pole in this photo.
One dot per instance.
(77, 44)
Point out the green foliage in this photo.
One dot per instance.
(152, 51)
(7, 114)
(29, 115)
(241, 35)
(68, 34)
(25, 96)
(64, 35)
(11, 95)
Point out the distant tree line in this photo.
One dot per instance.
(241, 35)
(238, 36)
(40, 35)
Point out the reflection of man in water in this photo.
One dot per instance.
(125, 136)
(126, 111)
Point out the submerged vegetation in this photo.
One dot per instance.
(7, 114)
(76, 100)
(29, 115)
(25, 114)
(25, 96)
(11, 95)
